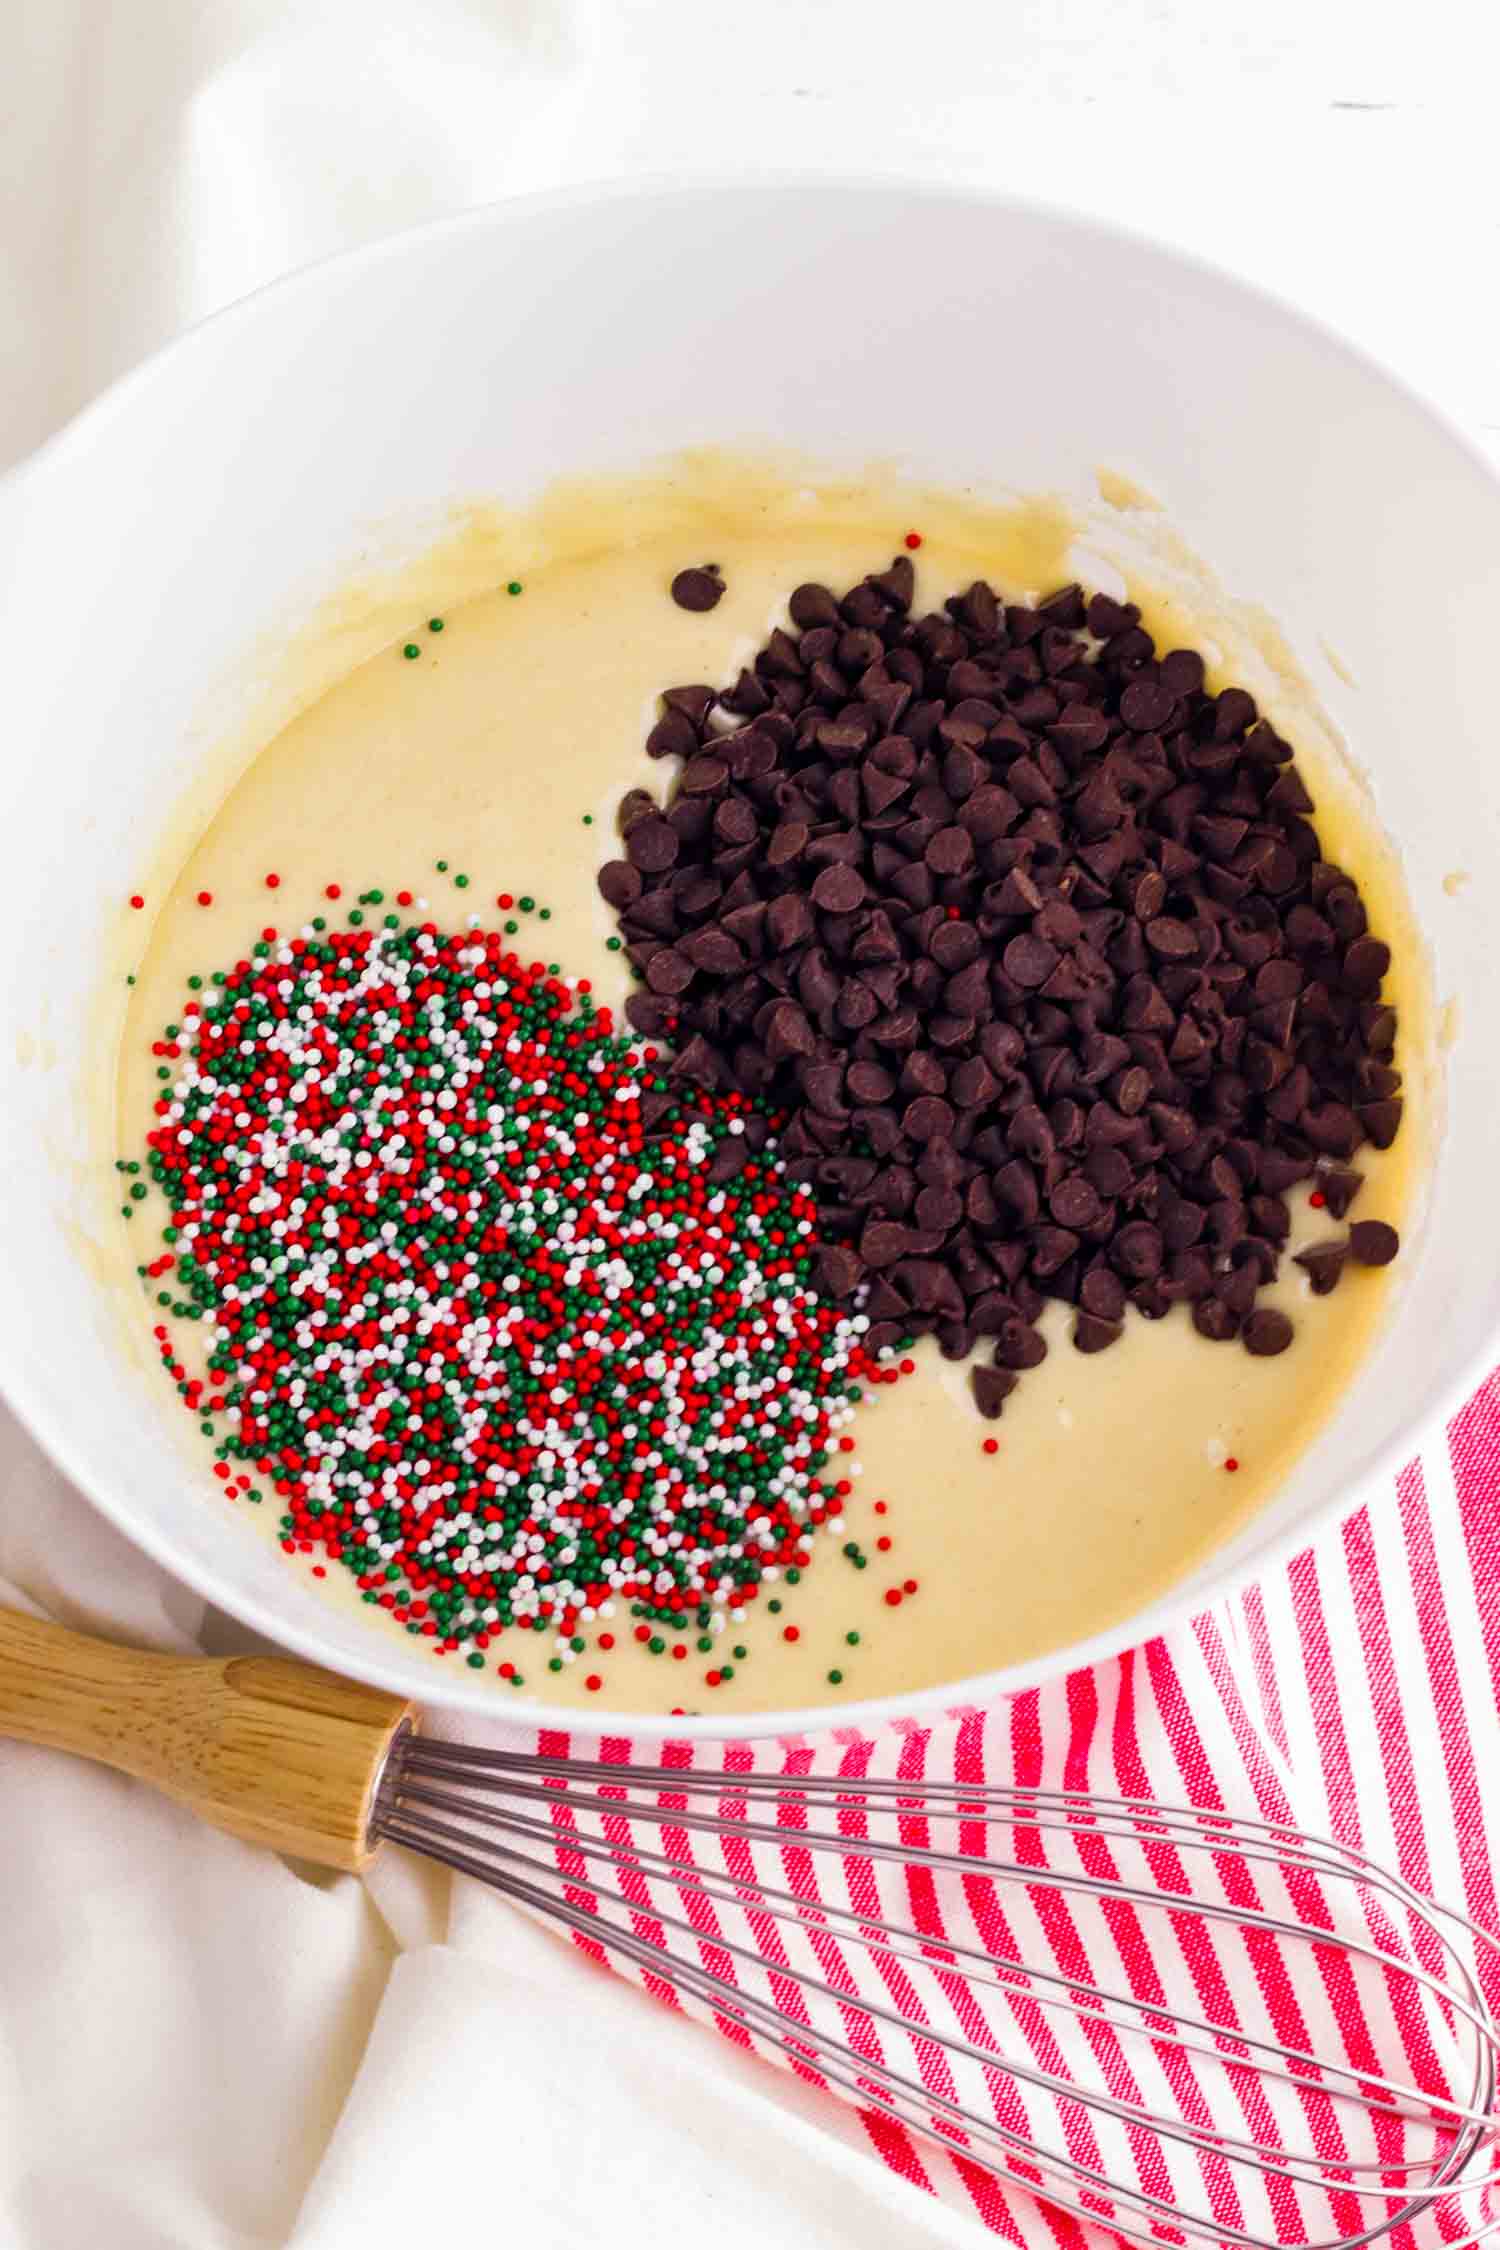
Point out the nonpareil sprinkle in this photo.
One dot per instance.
(513, 1324)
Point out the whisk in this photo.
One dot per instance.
(1179, 2025)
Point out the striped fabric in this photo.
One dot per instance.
(1354, 1695)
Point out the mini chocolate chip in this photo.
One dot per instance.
(1137, 1250)
(1267, 1332)
(673, 736)
(838, 890)
(839, 1270)
(668, 973)
(787, 1032)
(1029, 961)
(1073, 1203)
(713, 950)
(991, 1386)
(1173, 939)
(1381, 1120)
(1018, 1345)
(1213, 1319)
(1365, 963)
(1372, 1242)
(697, 589)
(927, 1118)
(870, 1082)
(883, 1242)
(652, 844)
(619, 884)
(939, 1210)
(1102, 1293)
(1093, 1334)
(950, 851)
(1339, 1188)
(1323, 1263)
(1110, 1172)
(1147, 705)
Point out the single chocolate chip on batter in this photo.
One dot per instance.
(1323, 1263)
(1372, 1242)
(1267, 1332)
(697, 589)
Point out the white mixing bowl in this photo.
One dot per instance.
(167, 538)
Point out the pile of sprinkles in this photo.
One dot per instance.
(513, 1326)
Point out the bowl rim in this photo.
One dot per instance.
(918, 1706)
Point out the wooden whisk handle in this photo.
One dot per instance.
(271, 1750)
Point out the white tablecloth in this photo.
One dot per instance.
(200, 2047)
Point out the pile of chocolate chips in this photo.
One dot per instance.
(1033, 945)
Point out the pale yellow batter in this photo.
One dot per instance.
(528, 712)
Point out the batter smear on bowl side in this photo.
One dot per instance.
(815, 1240)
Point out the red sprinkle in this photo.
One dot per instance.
(136, 900)
(593, 1683)
(333, 890)
(991, 1445)
(205, 898)
(1231, 1464)
(791, 1632)
(273, 882)
(914, 540)
(1317, 1199)
(883, 1544)
(893, 1597)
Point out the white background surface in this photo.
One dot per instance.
(159, 159)
(177, 2042)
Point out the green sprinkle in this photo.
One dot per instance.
(461, 882)
(588, 820)
(554, 1663)
(835, 1678)
(527, 905)
(852, 1639)
(434, 624)
(774, 1607)
(514, 587)
(740, 1653)
(131, 980)
(442, 867)
(411, 649)
(612, 944)
(705, 1643)
(475, 1662)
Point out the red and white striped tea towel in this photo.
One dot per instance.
(1352, 1695)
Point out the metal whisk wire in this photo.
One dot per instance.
(1038, 2073)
